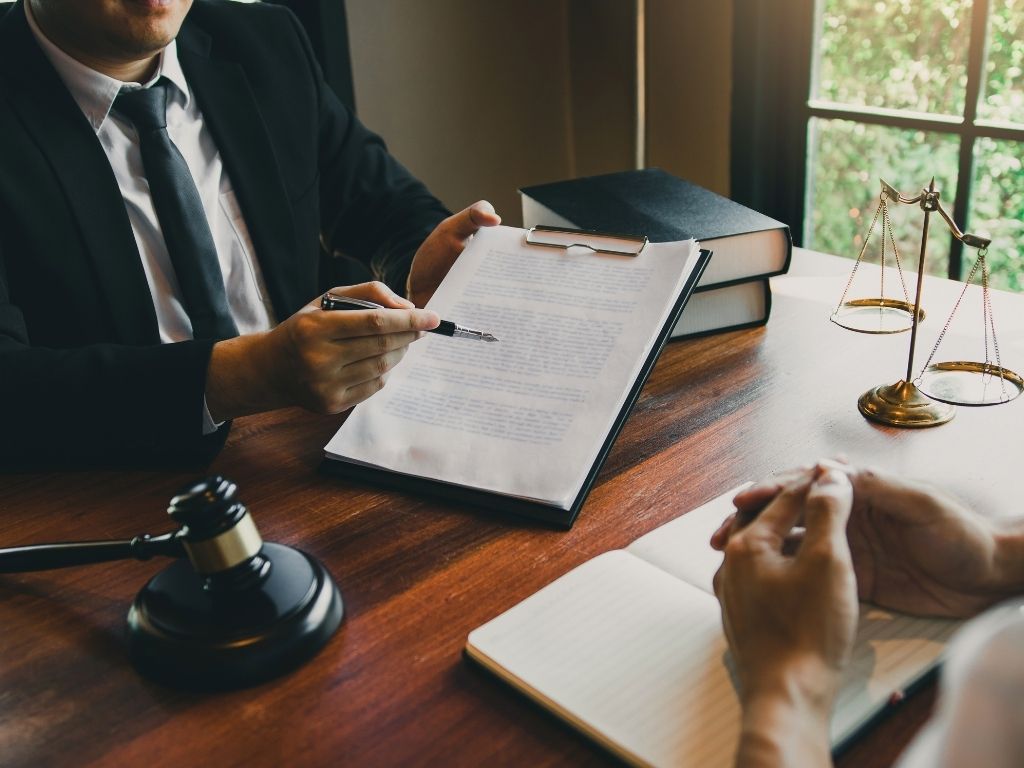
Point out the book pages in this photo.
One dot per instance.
(681, 547)
(727, 307)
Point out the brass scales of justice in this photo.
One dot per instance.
(929, 399)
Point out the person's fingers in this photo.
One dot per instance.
(365, 347)
(757, 497)
(375, 291)
(721, 536)
(363, 371)
(759, 494)
(336, 390)
(467, 221)
(353, 323)
(826, 510)
(785, 511)
(729, 526)
(864, 560)
(718, 584)
(792, 543)
(360, 392)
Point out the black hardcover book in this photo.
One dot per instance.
(665, 208)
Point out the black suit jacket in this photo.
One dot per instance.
(83, 377)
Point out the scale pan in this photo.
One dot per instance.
(964, 383)
(876, 316)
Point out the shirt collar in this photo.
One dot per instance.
(93, 91)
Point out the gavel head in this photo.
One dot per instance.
(239, 610)
(219, 536)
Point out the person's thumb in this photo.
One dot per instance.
(467, 221)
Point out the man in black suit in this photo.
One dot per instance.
(103, 353)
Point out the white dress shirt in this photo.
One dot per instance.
(979, 715)
(94, 93)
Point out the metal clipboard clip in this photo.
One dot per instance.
(599, 242)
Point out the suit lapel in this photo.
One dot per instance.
(230, 111)
(63, 134)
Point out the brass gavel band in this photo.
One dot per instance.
(226, 549)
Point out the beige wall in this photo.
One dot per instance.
(689, 86)
(602, 85)
(471, 96)
(479, 98)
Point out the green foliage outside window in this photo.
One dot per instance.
(896, 54)
(1003, 96)
(911, 55)
(997, 208)
(847, 162)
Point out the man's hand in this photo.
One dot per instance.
(790, 619)
(914, 548)
(323, 361)
(442, 246)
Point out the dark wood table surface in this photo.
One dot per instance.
(417, 574)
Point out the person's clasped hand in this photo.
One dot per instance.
(443, 246)
(915, 549)
(790, 616)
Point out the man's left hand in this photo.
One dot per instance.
(439, 251)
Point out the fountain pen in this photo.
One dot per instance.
(331, 301)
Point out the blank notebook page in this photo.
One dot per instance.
(628, 654)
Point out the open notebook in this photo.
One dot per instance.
(522, 425)
(628, 648)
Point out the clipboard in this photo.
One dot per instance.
(563, 239)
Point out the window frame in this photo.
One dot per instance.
(773, 89)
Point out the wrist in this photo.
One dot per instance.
(783, 727)
(238, 383)
(800, 681)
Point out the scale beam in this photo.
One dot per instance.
(929, 399)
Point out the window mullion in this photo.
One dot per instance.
(965, 175)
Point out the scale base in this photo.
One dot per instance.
(184, 636)
(903, 405)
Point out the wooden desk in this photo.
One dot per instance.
(417, 575)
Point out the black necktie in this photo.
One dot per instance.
(180, 211)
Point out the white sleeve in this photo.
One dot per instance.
(979, 715)
(209, 425)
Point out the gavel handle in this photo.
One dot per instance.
(43, 557)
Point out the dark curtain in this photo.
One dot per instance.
(327, 26)
(772, 42)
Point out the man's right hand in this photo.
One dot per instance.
(915, 549)
(325, 362)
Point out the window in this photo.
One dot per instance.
(902, 90)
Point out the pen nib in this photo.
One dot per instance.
(470, 333)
